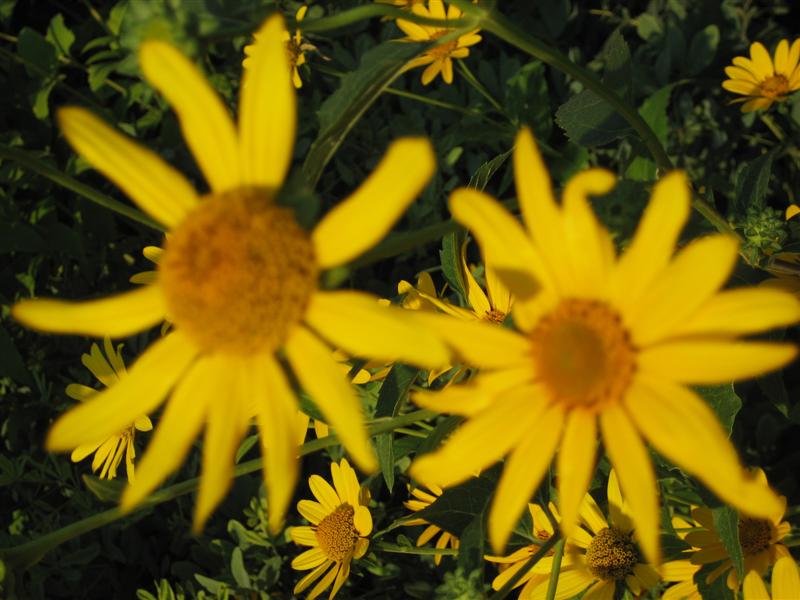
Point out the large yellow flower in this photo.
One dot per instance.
(108, 451)
(607, 345)
(340, 526)
(764, 80)
(785, 582)
(438, 59)
(238, 280)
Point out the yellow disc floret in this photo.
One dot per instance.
(611, 554)
(238, 273)
(337, 533)
(583, 353)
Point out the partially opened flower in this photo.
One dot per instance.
(607, 347)
(422, 499)
(339, 532)
(296, 48)
(238, 280)
(762, 79)
(438, 59)
(110, 450)
(785, 582)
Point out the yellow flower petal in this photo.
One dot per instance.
(322, 378)
(761, 60)
(366, 216)
(312, 511)
(119, 315)
(341, 577)
(362, 519)
(785, 579)
(267, 109)
(309, 559)
(157, 188)
(356, 323)
(740, 73)
(475, 295)
(303, 535)
(781, 57)
(522, 474)
(325, 582)
(591, 514)
(324, 492)
(602, 590)
(713, 361)
(637, 479)
(180, 424)
(575, 465)
(205, 122)
(757, 104)
(754, 588)
(741, 86)
(140, 392)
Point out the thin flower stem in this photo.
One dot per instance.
(509, 585)
(396, 549)
(405, 242)
(473, 81)
(33, 163)
(555, 571)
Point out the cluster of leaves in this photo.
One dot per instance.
(58, 238)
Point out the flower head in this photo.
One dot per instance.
(785, 582)
(339, 532)
(423, 498)
(764, 80)
(438, 59)
(238, 281)
(109, 451)
(606, 345)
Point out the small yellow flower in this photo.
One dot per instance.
(238, 280)
(339, 532)
(764, 80)
(439, 58)
(423, 499)
(785, 266)
(296, 48)
(785, 582)
(606, 346)
(108, 452)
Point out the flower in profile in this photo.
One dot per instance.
(759, 538)
(296, 48)
(438, 59)
(608, 347)
(110, 450)
(423, 498)
(340, 526)
(238, 279)
(762, 79)
(785, 582)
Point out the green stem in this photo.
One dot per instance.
(353, 15)
(509, 585)
(555, 571)
(394, 548)
(33, 163)
(473, 81)
(404, 242)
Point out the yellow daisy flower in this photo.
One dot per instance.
(296, 48)
(340, 526)
(440, 58)
(785, 582)
(108, 451)
(764, 80)
(238, 280)
(423, 499)
(607, 345)
(759, 537)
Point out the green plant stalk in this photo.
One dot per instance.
(479, 87)
(395, 549)
(509, 585)
(26, 555)
(405, 242)
(32, 163)
(552, 585)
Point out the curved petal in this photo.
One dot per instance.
(636, 476)
(754, 588)
(741, 86)
(761, 60)
(304, 535)
(522, 474)
(785, 579)
(115, 316)
(502, 239)
(740, 73)
(361, 220)
(157, 188)
(309, 559)
(356, 323)
(341, 577)
(697, 272)
(267, 109)
(324, 492)
(312, 511)
(362, 519)
(140, 392)
(685, 430)
(178, 428)
(602, 590)
(713, 361)
(535, 190)
(324, 583)
(782, 58)
(575, 465)
(322, 378)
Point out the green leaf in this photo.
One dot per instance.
(702, 49)
(654, 112)
(391, 397)
(648, 26)
(617, 72)
(245, 446)
(472, 542)
(726, 522)
(237, 569)
(11, 361)
(441, 431)
(528, 99)
(481, 177)
(450, 257)
(723, 401)
(60, 35)
(105, 490)
(35, 50)
(379, 67)
(752, 182)
(212, 585)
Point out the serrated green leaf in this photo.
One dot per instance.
(752, 183)
(723, 401)
(481, 177)
(702, 49)
(450, 257)
(238, 570)
(392, 395)
(60, 35)
(726, 522)
(105, 490)
(378, 68)
(617, 72)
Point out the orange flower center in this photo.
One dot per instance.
(611, 554)
(238, 273)
(495, 316)
(337, 533)
(583, 354)
(775, 86)
(754, 535)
